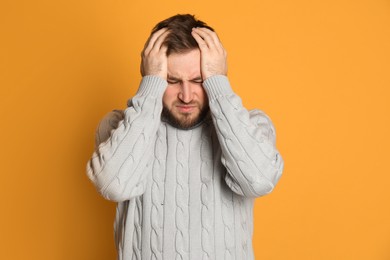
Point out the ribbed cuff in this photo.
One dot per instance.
(217, 86)
(153, 86)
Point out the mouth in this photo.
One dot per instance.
(186, 108)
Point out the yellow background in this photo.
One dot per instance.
(320, 69)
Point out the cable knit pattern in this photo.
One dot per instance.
(182, 196)
(207, 196)
(246, 150)
(243, 227)
(185, 194)
(228, 222)
(157, 194)
(118, 163)
(137, 236)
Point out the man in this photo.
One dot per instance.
(185, 159)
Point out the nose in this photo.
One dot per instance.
(185, 94)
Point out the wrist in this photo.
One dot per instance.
(152, 85)
(217, 86)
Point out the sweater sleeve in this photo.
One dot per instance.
(247, 140)
(124, 142)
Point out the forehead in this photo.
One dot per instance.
(184, 65)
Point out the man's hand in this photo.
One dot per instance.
(212, 54)
(154, 57)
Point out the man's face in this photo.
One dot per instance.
(185, 101)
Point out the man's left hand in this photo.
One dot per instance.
(212, 54)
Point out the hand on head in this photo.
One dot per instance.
(213, 54)
(154, 57)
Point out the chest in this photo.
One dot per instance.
(184, 162)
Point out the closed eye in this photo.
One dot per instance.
(197, 80)
(172, 82)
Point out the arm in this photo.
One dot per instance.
(247, 139)
(124, 140)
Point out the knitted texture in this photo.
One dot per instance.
(157, 195)
(185, 194)
(207, 200)
(182, 195)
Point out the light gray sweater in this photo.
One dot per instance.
(185, 194)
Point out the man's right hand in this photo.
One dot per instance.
(154, 57)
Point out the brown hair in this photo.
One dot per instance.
(180, 26)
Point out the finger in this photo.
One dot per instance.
(206, 36)
(201, 43)
(152, 40)
(210, 37)
(214, 36)
(159, 42)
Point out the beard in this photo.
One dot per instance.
(185, 121)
